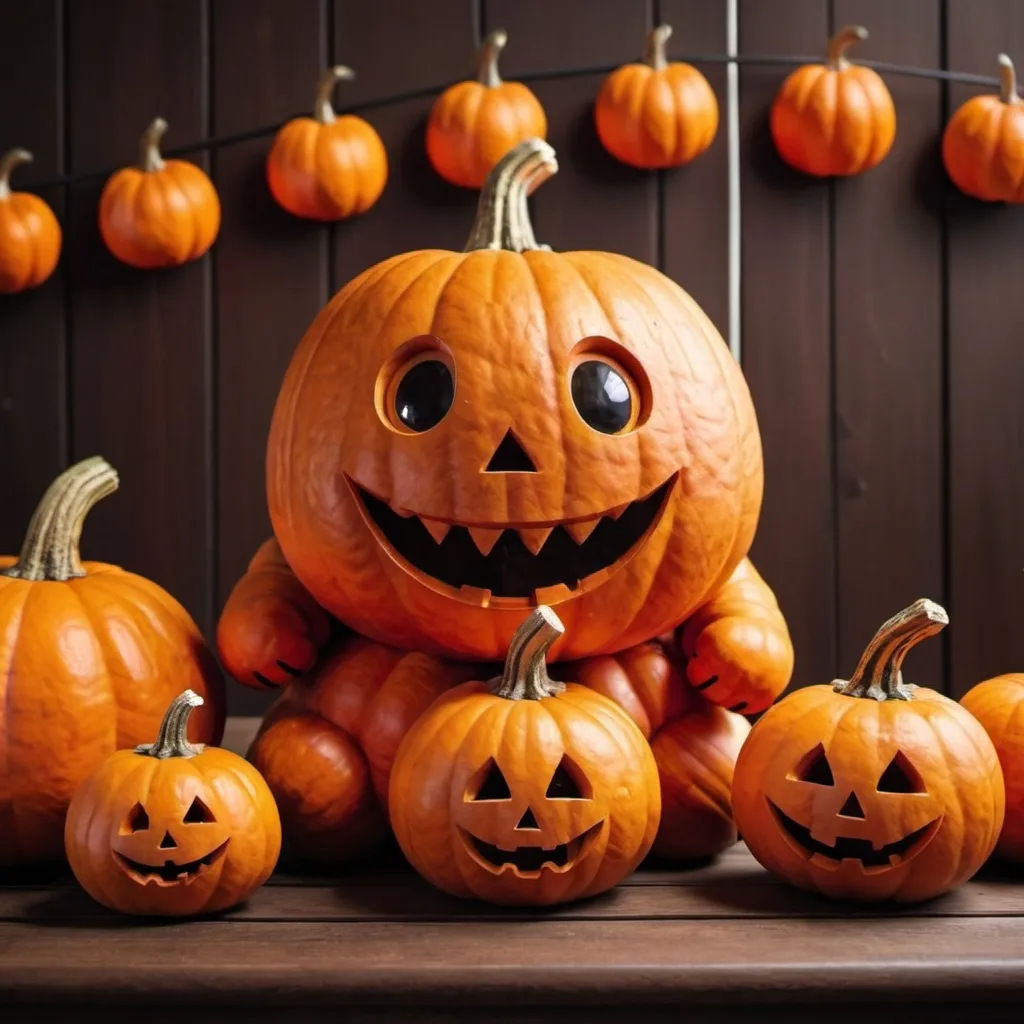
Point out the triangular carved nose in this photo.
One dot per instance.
(510, 457)
(851, 809)
(168, 843)
(528, 821)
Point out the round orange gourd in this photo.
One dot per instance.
(327, 167)
(983, 145)
(656, 114)
(999, 705)
(30, 236)
(871, 789)
(836, 118)
(327, 746)
(463, 435)
(472, 125)
(90, 656)
(695, 744)
(173, 828)
(525, 790)
(162, 213)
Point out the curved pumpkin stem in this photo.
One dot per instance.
(879, 674)
(50, 549)
(1007, 80)
(172, 740)
(487, 58)
(149, 146)
(502, 217)
(654, 51)
(526, 668)
(841, 42)
(323, 110)
(11, 159)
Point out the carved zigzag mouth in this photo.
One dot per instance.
(170, 873)
(529, 861)
(523, 562)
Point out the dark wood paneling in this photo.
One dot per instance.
(141, 381)
(888, 350)
(33, 391)
(786, 344)
(986, 380)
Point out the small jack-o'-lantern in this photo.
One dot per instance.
(873, 788)
(463, 436)
(173, 828)
(525, 790)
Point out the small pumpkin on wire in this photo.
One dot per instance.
(30, 237)
(162, 213)
(981, 144)
(173, 828)
(836, 118)
(656, 114)
(473, 124)
(327, 167)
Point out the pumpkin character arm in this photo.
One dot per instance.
(737, 646)
(271, 629)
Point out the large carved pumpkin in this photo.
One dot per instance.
(463, 435)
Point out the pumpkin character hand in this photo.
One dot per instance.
(271, 629)
(737, 647)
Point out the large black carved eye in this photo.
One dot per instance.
(603, 396)
(815, 768)
(198, 813)
(424, 395)
(137, 820)
(568, 782)
(492, 784)
(901, 777)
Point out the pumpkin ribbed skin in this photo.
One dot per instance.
(30, 237)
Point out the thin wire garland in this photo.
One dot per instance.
(767, 60)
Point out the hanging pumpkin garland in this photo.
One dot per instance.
(981, 145)
(656, 114)
(836, 118)
(162, 213)
(327, 167)
(473, 124)
(30, 236)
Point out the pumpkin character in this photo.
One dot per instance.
(472, 125)
(998, 704)
(30, 236)
(656, 114)
(327, 167)
(90, 655)
(525, 790)
(871, 789)
(981, 145)
(837, 118)
(463, 436)
(173, 828)
(162, 213)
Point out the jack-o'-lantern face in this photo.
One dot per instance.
(462, 436)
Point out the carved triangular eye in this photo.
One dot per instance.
(814, 768)
(198, 813)
(901, 777)
(568, 782)
(492, 785)
(137, 820)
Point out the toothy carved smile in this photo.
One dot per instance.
(170, 873)
(529, 861)
(545, 563)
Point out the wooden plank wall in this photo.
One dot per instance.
(881, 316)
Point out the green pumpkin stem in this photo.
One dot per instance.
(502, 216)
(11, 159)
(323, 109)
(1007, 80)
(841, 42)
(149, 146)
(50, 549)
(654, 51)
(879, 674)
(487, 58)
(172, 740)
(526, 668)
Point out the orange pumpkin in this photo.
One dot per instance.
(173, 828)
(695, 744)
(162, 213)
(871, 789)
(999, 705)
(327, 746)
(463, 435)
(525, 790)
(90, 655)
(30, 236)
(656, 114)
(835, 118)
(472, 125)
(327, 167)
(982, 147)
